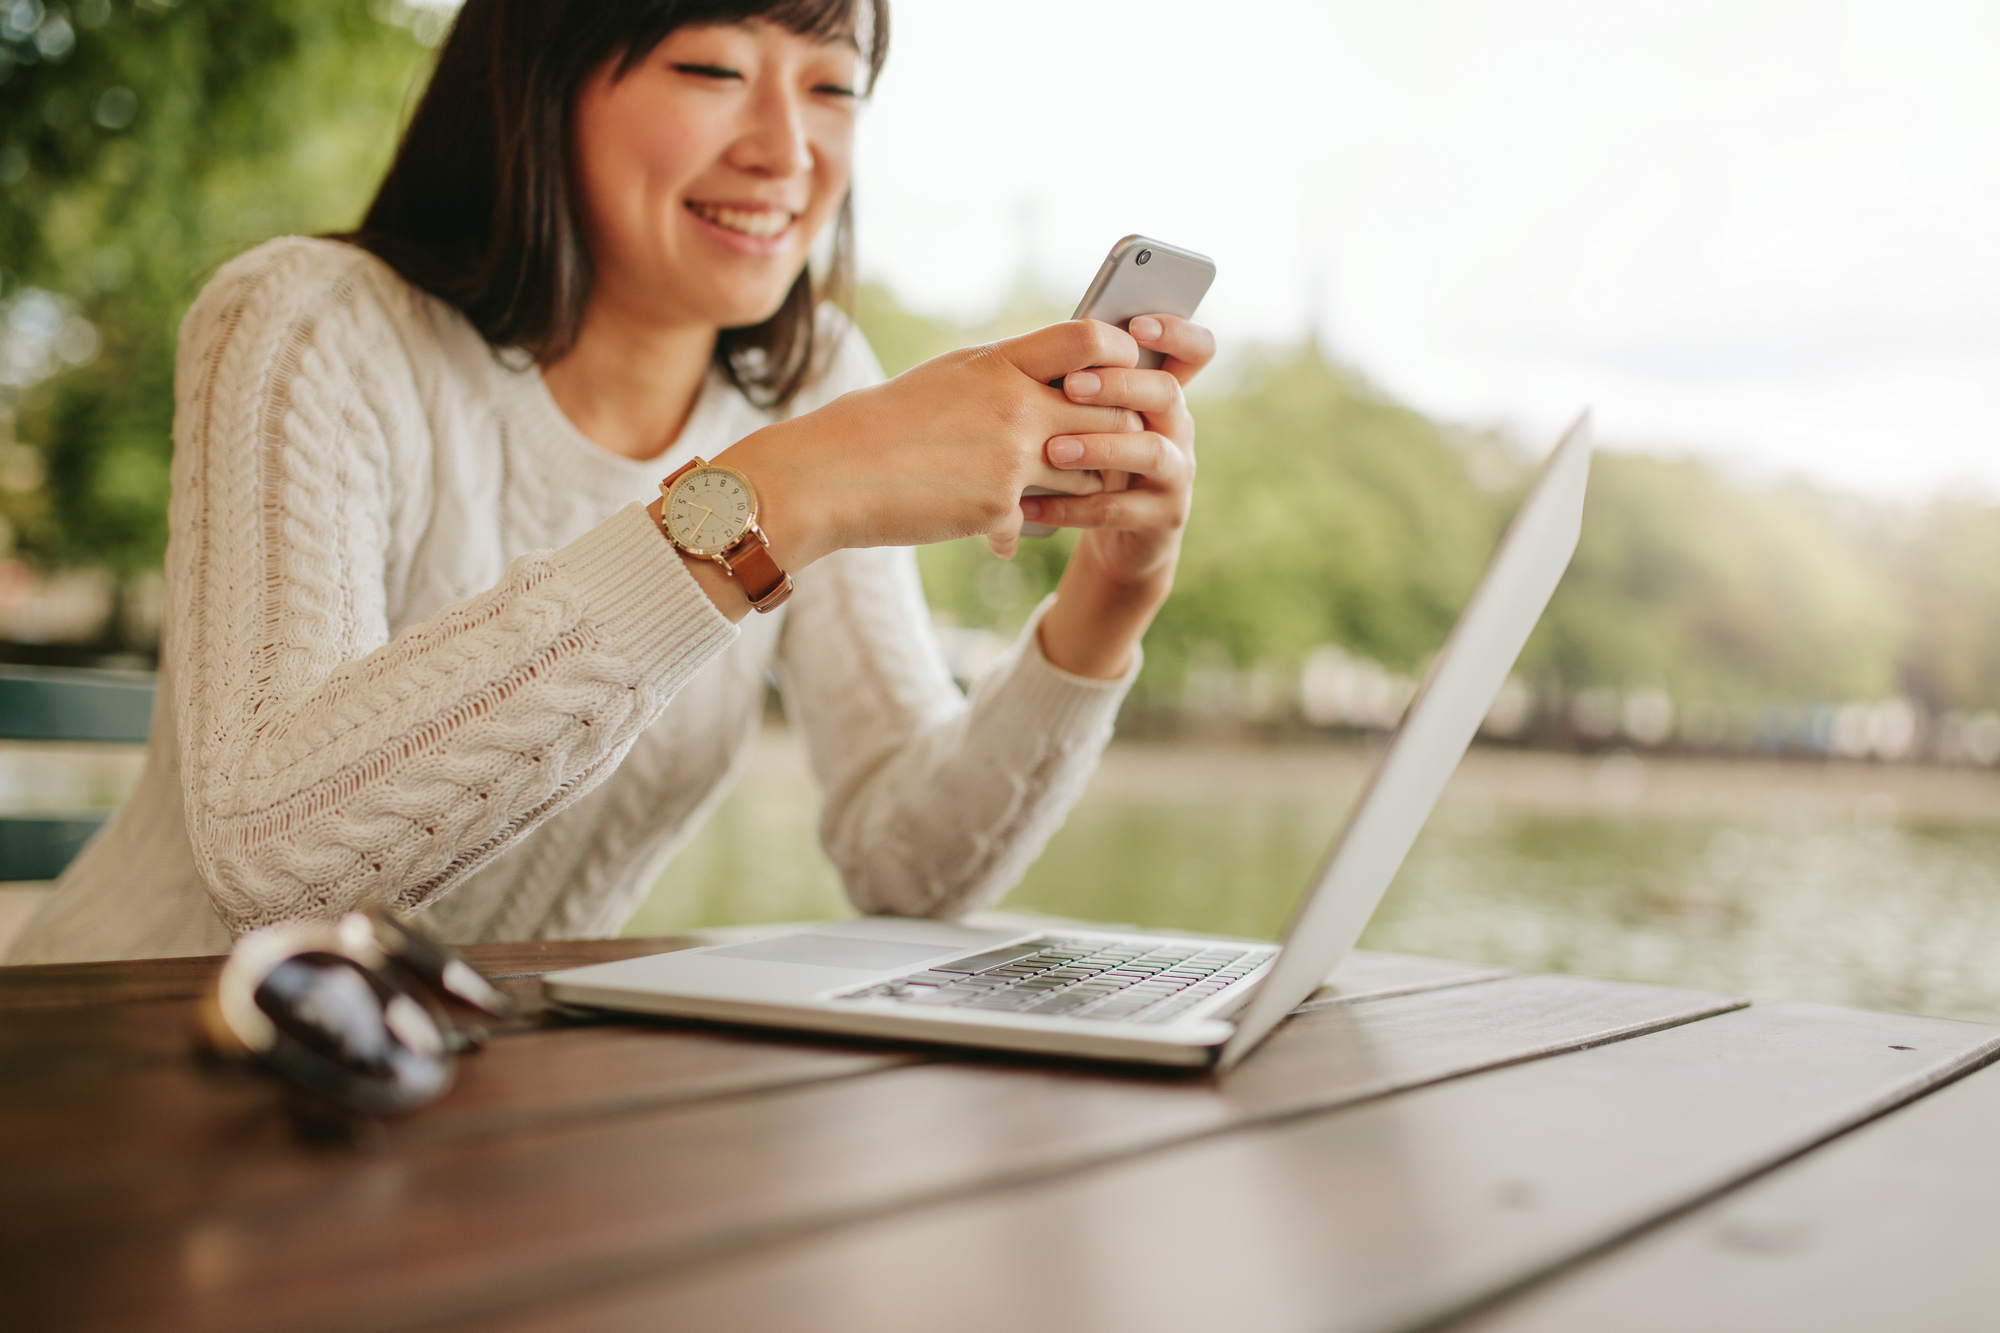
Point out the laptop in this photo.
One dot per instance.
(1150, 998)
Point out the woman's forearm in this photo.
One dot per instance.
(392, 776)
(1097, 620)
(934, 804)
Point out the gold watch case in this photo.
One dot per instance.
(708, 510)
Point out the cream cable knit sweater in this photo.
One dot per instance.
(424, 647)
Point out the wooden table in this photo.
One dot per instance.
(1425, 1144)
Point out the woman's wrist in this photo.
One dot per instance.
(723, 588)
(795, 532)
(1098, 620)
(791, 515)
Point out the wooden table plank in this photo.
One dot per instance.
(1368, 975)
(52, 985)
(1391, 1215)
(44, 1040)
(443, 1229)
(150, 1141)
(110, 1092)
(54, 1019)
(55, 984)
(1894, 1226)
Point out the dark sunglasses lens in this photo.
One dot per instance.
(352, 1036)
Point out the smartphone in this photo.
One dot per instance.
(1140, 276)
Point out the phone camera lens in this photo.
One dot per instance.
(1144, 255)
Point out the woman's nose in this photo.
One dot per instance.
(775, 142)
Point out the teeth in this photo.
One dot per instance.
(763, 224)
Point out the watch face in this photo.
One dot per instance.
(709, 509)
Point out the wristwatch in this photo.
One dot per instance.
(711, 512)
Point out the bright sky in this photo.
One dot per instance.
(1765, 230)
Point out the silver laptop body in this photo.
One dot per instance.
(1102, 994)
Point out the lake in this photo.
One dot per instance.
(1851, 883)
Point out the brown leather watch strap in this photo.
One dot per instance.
(766, 585)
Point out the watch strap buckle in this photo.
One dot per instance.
(764, 583)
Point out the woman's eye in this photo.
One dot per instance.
(709, 71)
(835, 90)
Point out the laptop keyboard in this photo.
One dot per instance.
(1127, 981)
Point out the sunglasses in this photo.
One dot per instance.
(348, 1010)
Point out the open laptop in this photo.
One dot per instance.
(1103, 994)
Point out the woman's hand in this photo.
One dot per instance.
(941, 451)
(1133, 527)
(1123, 566)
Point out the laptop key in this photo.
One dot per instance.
(1113, 985)
(992, 958)
(930, 997)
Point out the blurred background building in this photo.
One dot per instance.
(1752, 745)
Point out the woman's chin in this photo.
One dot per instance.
(749, 305)
(758, 293)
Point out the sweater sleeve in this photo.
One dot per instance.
(324, 764)
(934, 803)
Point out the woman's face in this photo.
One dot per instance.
(707, 169)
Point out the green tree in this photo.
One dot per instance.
(1324, 513)
(1948, 567)
(145, 142)
(1721, 593)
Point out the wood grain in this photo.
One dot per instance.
(97, 1144)
(1365, 974)
(1394, 1214)
(1892, 1227)
(461, 1226)
(99, 1015)
(50, 984)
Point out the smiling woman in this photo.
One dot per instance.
(630, 106)
(427, 647)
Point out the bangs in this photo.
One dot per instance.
(864, 22)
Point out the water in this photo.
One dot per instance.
(1863, 885)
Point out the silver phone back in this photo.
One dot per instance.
(1142, 276)
(1167, 281)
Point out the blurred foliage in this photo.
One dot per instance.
(143, 144)
(1323, 514)
(1719, 593)
(1947, 567)
(1326, 513)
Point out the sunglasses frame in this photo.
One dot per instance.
(406, 971)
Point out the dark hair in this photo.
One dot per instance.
(478, 207)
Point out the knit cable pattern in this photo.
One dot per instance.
(323, 763)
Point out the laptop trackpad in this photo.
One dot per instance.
(835, 951)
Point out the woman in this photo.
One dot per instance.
(427, 644)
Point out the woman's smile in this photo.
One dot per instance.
(749, 227)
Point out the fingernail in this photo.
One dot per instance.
(1145, 328)
(1082, 384)
(1065, 450)
(1031, 508)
